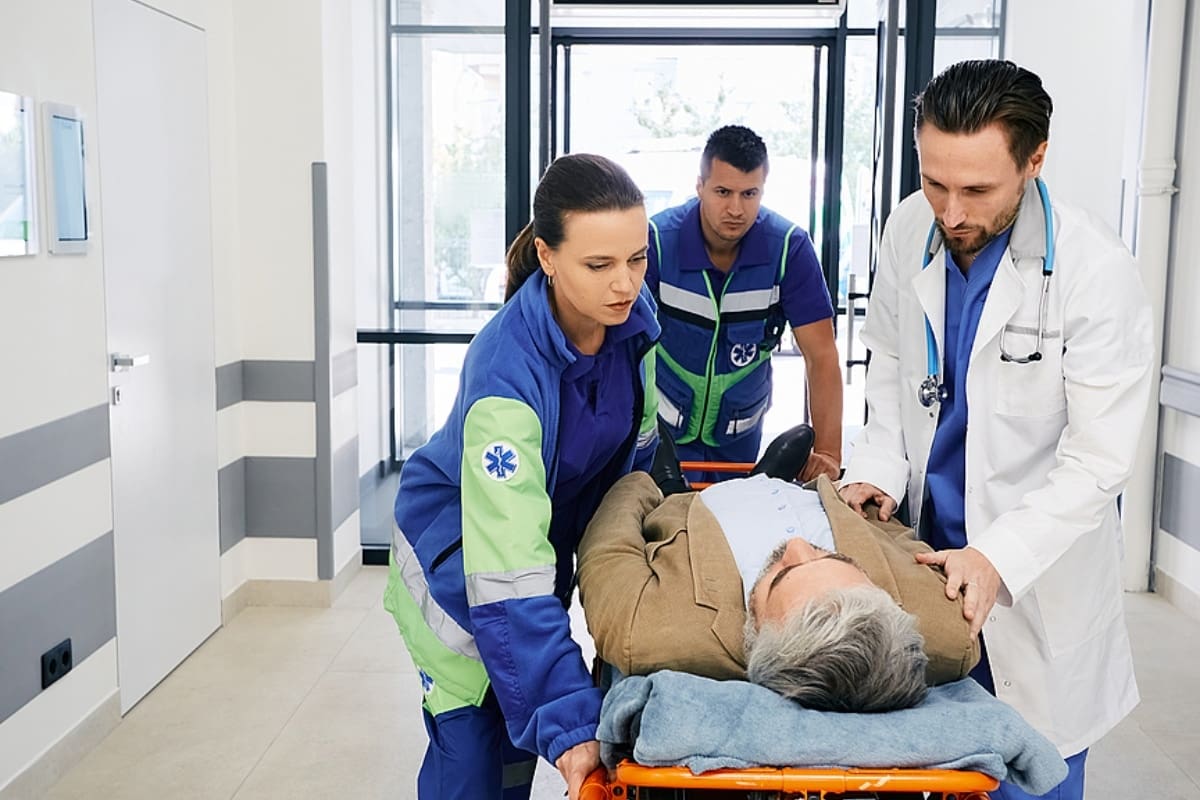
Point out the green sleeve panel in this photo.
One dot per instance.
(505, 505)
(650, 401)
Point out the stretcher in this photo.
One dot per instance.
(634, 782)
(631, 781)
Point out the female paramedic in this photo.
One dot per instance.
(555, 403)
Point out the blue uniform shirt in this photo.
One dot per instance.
(943, 519)
(802, 293)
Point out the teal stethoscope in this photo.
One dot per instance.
(932, 390)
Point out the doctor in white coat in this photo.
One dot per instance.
(1010, 348)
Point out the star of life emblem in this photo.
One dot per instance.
(500, 461)
(426, 682)
(743, 353)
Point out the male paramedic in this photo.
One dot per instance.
(727, 274)
(1010, 348)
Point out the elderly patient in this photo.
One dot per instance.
(763, 579)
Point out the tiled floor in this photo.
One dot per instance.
(303, 703)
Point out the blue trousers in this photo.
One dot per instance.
(470, 757)
(1072, 786)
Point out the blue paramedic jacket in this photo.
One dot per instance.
(474, 511)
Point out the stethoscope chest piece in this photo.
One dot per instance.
(931, 391)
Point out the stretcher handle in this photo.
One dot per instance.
(595, 786)
(967, 785)
(713, 466)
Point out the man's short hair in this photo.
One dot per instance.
(850, 649)
(968, 96)
(737, 146)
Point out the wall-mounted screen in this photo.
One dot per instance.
(66, 198)
(18, 196)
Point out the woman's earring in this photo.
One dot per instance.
(550, 280)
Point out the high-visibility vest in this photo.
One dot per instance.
(714, 371)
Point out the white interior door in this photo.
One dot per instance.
(152, 135)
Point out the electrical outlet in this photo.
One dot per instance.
(56, 662)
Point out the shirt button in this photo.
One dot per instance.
(991, 619)
(1007, 684)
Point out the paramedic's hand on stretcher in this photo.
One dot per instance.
(968, 571)
(856, 494)
(820, 463)
(577, 763)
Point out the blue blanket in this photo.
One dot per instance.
(672, 718)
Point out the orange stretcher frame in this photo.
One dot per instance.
(811, 784)
(713, 466)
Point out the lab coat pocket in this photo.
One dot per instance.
(1075, 605)
(1034, 388)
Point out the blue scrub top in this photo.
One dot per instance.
(943, 515)
(596, 415)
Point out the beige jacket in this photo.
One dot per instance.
(660, 588)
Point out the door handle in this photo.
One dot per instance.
(123, 361)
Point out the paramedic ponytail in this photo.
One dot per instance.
(573, 183)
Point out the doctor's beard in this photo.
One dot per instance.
(966, 241)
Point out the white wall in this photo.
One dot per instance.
(1089, 60)
(1180, 432)
(52, 336)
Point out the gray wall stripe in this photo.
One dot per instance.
(345, 372)
(278, 381)
(280, 497)
(345, 482)
(75, 598)
(1180, 390)
(231, 494)
(321, 328)
(1180, 484)
(229, 384)
(35, 457)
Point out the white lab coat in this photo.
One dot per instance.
(1049, 446)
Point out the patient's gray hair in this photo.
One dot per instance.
(850, 649)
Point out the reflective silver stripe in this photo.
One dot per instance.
(645, 438)
(518, 774)
(736, 425)
(448, 632)
(492, 587)
(691, 302)
(670, 414)
(753, 300)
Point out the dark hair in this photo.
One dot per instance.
(968, 96)
(576, 182)
(737, 146)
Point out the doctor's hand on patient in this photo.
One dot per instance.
(858, 494)
(577, 763)
(970, 572)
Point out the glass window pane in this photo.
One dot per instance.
(651, 108)
(447, 12)
(857, 143)
(952, 49)
(426, 383)
(448, 179)
(968, 13)
(862, 13)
